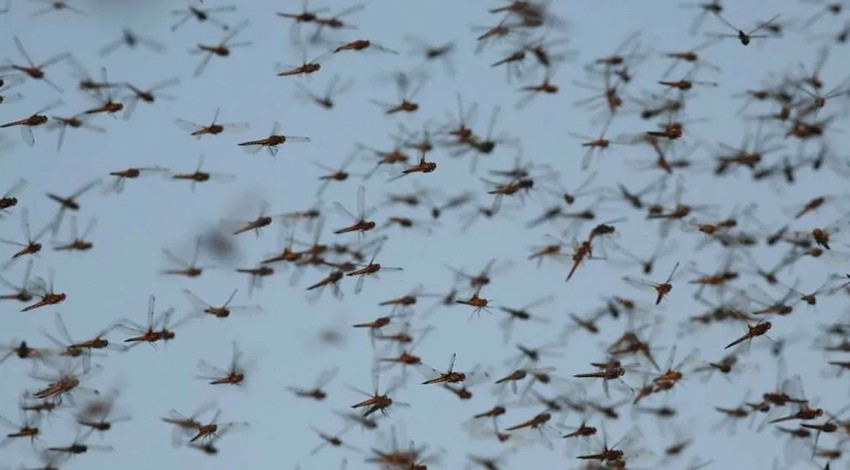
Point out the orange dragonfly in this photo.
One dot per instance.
(191, 269)
(64, 381)
(26, 124)
(33, 70)
(121, 176)
(405, 101)
(32, 246)
(213, 128)
(331, 280)
(44, 289)
(306, 68)
(371, 268)
(362, 223)
(234, 375)
(28, 428)
(199, 176)
(222, 49)
(104, 97)
(78, 242)
(377, 401)
(662, 288)
(202, 308)
(306, 15)
(156, 329)
(272, 142)
(450, 376)
(375, 325)
(363, 45)
(213, 430)
(316, 392)
(183, 424)
(82, 349)
(759, 329)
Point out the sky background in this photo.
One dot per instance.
(114, 280)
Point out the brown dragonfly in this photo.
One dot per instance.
(26, 124)
(213, 128)
(202, 308)
(32, 245)
(316, 392)
(235, 374)
(222, 49)
(272, 142)
(199, 176)
(44, 289)
(33, 70)
(69, 203)
(156, 329)
(8, 199)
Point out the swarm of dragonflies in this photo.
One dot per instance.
(631, 272)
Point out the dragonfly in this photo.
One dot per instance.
(26, 124)
(199, 176)
(191, 270)
(202, 308)
(662, 288)
(69, 203)
(185, 424)
(234, 375)
(213, 128)
(32, 245)
(202, 15)
(316, 392)
(33, 70)
(155, 330)
(222, 49)
(130, 39)
(77, 121)
(8, 198)
(450, 376)
(44, 289)
(20, 293)
(361, 221)
(372, 268)
(272, 142)
(78, 242)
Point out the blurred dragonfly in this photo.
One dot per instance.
(199, 176)
(222, 49)
(33, 70)
(202, 308)
(130, 40)
(213, 128)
